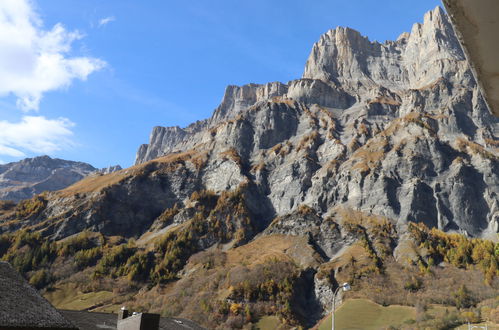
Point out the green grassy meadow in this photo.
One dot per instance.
(364, 314)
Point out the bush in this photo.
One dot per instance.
(40, 279)
(29, 251)
(413, 284)
(494, 315)
(458, 250)
(5, 243)
(463, 298)
(167, 216)
(139, 266)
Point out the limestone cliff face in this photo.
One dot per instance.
(398, 129)
(164, 140)
(345, 57)
(30, 176)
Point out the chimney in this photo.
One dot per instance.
(137, 321)
(122, 314)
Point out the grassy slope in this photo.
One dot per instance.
(95, 183)
(275, 247)
(269, 323)
(365, 314)
(68, 297)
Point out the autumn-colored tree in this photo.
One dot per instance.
(463, 298)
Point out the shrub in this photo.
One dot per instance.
(413, 284)
(139, 266)
(29, 251)
(40, 279)
(168, 214)
(235, 308)
(494, 315)
(463, 298)
(5, 243)
(458, 250)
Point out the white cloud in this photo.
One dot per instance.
(106, 20)
(34, 60)
(35, 134)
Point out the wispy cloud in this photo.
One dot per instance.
(106, 20)
(34, 60)
(35, 134)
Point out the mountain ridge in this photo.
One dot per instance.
(30, 176)
(366, 87)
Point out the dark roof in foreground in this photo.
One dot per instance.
(22, 306)
(92, 320)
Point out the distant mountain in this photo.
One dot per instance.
(31, 176)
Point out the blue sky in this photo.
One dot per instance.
(119, 67)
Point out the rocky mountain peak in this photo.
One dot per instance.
(22, 179)
(347, 58)
(239, 98)
(403, 118)
(436, 17)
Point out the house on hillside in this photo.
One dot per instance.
(23, 308)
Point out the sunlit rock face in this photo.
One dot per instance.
(396, 128)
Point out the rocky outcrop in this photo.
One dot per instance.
(164, 140)
(110, 169)
(415, 60)
(30, 176)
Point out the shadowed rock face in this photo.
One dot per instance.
(30, 176)
(397, 128)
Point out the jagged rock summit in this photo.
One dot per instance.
(396, 128)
